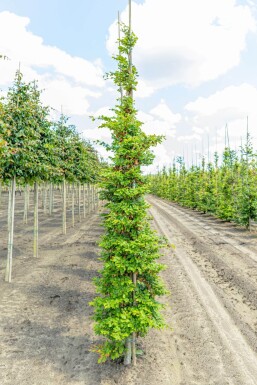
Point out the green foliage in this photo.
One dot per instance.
(32, 148)
(24, 128)
(130, 247)
(227, 191)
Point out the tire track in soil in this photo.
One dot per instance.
(235, 283)
(43, 320)
(236, 362)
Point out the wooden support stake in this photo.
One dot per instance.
(35, 253)
(8, 272)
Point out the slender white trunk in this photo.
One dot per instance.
(64, 227)
(25, 213)
(84, 202)
(51, 199)
(28, 201)
(72, 208)
(35, 253)
(8, 273)
(97, 197)
(42, 193)
(79, 199)
(9, 206)
(45, 198)
(88, 198)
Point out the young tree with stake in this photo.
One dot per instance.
(129, 283)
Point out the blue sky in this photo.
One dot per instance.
(197, 64)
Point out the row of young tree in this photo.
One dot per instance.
(34, 150)
(225, 188)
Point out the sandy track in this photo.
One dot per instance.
(46, 329)
(223, 283)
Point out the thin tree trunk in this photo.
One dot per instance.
(84, 202)
(134, 277)
(8, 272)
(94, 198)
(88, 198)
(97, 198)
(25, 214)
(134, 356)
(9, 206)
(45, 198)
(128, 352)
(28, 202)
(50, 199)
(79, 199)
(64, 227)
(72, 208)
(35, 220)
(42, 193)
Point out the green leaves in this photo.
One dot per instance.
(227, 191)
(33, 148)
(130, 247)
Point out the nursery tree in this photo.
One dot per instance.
(127, 306)
(25, 131)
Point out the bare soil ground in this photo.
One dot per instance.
(46, 329)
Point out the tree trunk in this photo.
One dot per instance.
(128, 352)
(45, 198)
(64, 227)
(79, 199)
(88, 198)
(84, 202)
(50, 199)
(73, 204)
(25, 213)
(35, 220)
(8, 273)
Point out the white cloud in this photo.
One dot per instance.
(160, 120)
(229, 106)
(186, 41)
(67, 80)
(198, 130)
(97, 134)
(163, 112)
(189, 138)
(105, 111)
(143, 90)
(233, 99)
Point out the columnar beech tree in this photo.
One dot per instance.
(127, 306)
(227, 191)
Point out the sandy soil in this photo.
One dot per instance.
(46, 330)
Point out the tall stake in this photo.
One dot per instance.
(25, 214)
(84, 201)
(79, 199)
(8, 272)
(131, 341)
(51, 199)
(73, 203)
(64, 207)
(121, 90)
(36, 220)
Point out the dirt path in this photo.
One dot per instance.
(46, 329)
(216, 280)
